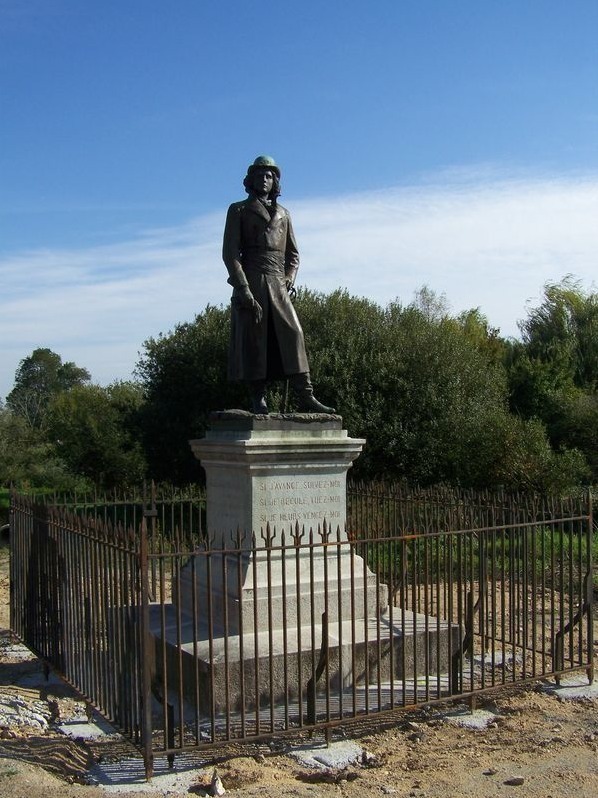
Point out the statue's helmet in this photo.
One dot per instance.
(264, 162)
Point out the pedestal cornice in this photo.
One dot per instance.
(242, 439)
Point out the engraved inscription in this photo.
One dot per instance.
(306, 501)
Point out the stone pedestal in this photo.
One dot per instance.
(280, 470)
(282, 478)
(247, 627)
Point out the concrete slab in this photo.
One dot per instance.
(83, 730)
(128, 776)
(228, 671)
(336, 756)
(488, 661)
(470, 720)
(37, 679)
(573, 688)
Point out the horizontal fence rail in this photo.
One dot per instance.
(184, 643)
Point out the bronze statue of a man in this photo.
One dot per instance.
(260, 253)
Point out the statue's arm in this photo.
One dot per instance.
(291, 258)
(231, 248)
(231, 255)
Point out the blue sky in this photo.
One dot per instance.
(452, 143)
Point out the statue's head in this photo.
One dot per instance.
(263, 163)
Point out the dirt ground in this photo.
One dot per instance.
(536, 745)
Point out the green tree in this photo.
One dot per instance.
(525, 460)
(27, 459)
(427, 390)
(429, 397)
(563, 331)
(38, 378)
(553, 371)
(97, 432)
(477, 329)
(184, 379)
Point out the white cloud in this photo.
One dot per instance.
(483, 241)
(488, 245)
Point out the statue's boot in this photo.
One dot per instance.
(258, 398)
(301, 384)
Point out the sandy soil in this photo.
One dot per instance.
(535, 745)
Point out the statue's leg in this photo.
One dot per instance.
(301, 384)
(258, 397)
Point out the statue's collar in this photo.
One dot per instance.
(260, 208)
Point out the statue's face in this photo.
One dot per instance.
(263, 180)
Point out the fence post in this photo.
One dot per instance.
(590, 590)
(146, 657)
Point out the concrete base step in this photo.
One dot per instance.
(274, 667)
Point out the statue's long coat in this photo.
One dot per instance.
(265, 251)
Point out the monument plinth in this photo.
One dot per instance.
(282, 480)
(280, 470)
(280, 587)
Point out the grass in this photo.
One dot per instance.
(533, 551)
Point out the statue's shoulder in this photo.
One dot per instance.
(238, 207)
(250, 204)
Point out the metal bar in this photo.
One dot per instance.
(522, 610)
(298, 596)
(403, 592)
(534, 599)
(243, 697)
(426, 612)
(312, 683)
(270, 534)
(561, 649)
(255, 636)
(572, 595)
(493, 610)
(196, 672)
(590, 588)
(326, 614)
(161, 693)
(414, 607)
(146, 732)
(339, 577)
(543, 610)
(285, 658)
(225, 633)
(353, 554)
(210, 610)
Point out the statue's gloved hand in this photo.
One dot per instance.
(244, 299)
(291, 290)
(257, 311)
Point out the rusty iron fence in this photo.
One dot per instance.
(382, 508)
(183, 644)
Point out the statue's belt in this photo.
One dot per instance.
(270, 262)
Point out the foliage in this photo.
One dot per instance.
(4, 505)
(438, 397)
(27, 459)
(553, 371)
(38, 378)
(184, 379)
(428, 392)
(528, 462)
(97, 432)
(563, 331)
